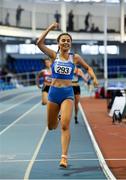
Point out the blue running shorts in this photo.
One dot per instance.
(59, 94)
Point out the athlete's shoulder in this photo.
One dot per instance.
(77, 55)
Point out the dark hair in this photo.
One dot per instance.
(62, 34)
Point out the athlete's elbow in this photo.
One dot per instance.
(89, 69)
(40, 45)
(38, 42)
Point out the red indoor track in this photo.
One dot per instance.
(110, 138)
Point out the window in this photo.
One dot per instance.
(12, 48)
(89, 49)
(95, 49)
(111, 49)
(27, 49)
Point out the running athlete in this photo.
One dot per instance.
(46, 75)
(61, 95)
(77, 90)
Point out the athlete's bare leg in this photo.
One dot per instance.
(76, 101)
(52, 115)
(44, 98)
(66, 114)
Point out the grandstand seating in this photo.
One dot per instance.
(25, 64)
(116, 67)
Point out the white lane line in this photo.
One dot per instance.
(81, 153)
(17, 104)
(4, 94)
(26, 125)
(28, 170)
(51, 160)
(16, 97)
(18, 119)
(102, 162)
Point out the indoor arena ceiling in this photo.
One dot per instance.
(109, 1)
(86, 0)
(69, 1)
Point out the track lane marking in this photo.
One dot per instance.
(18, 119)
(28, 170)
(102, 162)
(5, 110)
(51, 160)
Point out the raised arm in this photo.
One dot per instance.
(79, 60)
(41, 41)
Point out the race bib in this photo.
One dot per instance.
(63, 69)
(48, 78)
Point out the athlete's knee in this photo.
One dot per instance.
(64, 127)
(44, 102)
(50, 127)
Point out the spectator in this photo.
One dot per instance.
(102, 92)
(7, 23)
(32, 77)
(14, 82)
(93, 63)
(94, 28)
(86, 21)
(4, 72)
(125, 22)
(8, 77)
(70, 21)
(57, 16)
(18, 15)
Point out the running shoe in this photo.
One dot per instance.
(76, 121)
(64, 162)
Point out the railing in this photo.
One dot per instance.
(42, 20)
(11, 81)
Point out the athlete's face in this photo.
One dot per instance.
(47, 63)
(65, 43)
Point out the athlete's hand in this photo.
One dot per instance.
(95, 82)
(53, 26)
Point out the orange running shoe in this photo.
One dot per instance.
(64, 162)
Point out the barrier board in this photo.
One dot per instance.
(118, 104)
